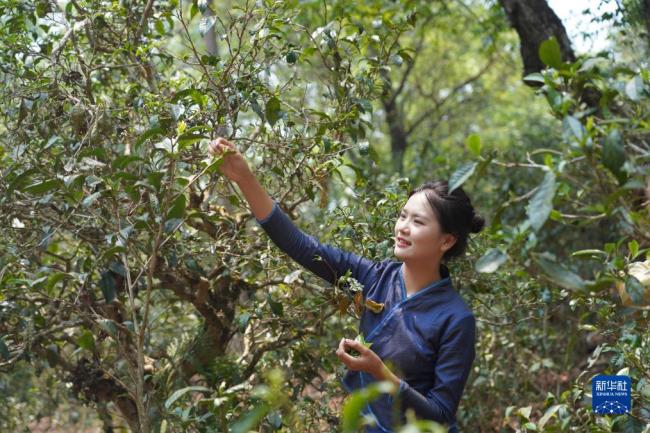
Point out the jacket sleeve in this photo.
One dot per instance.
(325, 261)
(453, 365)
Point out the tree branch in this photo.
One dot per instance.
(438, 104)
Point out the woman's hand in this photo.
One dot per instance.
(234, 166)
(367, 361)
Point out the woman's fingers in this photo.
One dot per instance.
(222, 141)
(341, 348)
(216, 147)
(354, 344)
(340, 352)
(350, 361)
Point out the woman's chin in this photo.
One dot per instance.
(399, 253)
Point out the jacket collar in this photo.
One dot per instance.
(443, 283)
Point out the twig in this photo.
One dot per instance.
(143, 20)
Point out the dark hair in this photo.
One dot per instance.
(455, 213)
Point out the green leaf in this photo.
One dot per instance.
(573, 128)
(364, 148)
(550, 53)
(365, 106)
(147, 135)
(359, 338)
(160, 27)
(633, 248)
(118, 268)
(276, 307)
(190, 138)
(90, 200)
(109, 326)
(473, 143)
(634, 288)
(123, 161)
(129, 325)
(176, 110)
(177, 209)
(194, 9)
(55, 278)
(291, 57)
(172, 224)
(633, 425)
(634, 88)
(42, 187)
(180, 392)
(491, 260)
(21, 179)
(557, 273)
(273, 111)
(250, 420)
(535, 77)
(613, 156)
(86, 341)
(4, 350)
(405, 55)
(215, 164)
(591, 253)
(194, 266)
(461, 175)
(548, 414)
(594, 63)
(107, 284)
(358, 400)
(525, 411)
(541, 203)
(193, 94)
(257, 109)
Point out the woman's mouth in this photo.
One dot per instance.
(402, 243)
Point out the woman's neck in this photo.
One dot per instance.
(417, 276)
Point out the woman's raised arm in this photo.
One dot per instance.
(323, 260)
(236, 168)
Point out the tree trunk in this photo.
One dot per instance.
(395, 121)
(535, 22)
(398, 141)
(210, 37)
(646, 16)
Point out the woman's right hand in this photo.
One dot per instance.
(234, 166)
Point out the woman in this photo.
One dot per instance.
(417, 323)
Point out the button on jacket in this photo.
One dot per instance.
(426, 338)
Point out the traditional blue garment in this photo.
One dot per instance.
(427, 339)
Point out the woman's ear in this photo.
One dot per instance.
(448, 241)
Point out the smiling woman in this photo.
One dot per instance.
(422, 333)
(433, 226)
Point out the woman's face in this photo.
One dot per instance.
(418, 225)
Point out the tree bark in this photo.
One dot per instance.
(398, 139)
(210, 37)
(535, 22)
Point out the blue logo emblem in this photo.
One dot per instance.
(611, 395)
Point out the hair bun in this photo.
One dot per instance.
(478, 222)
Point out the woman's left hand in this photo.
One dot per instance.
(367, 361)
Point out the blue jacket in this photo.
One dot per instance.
(427, 339)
